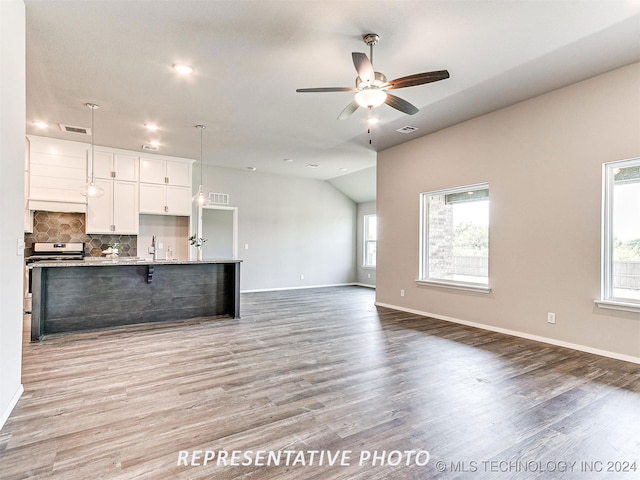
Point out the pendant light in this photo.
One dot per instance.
(200, 198)
(91, 189)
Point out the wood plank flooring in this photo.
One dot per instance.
(319, 370)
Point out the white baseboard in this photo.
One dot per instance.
(299, 288)
(365, 285)
(528, 336)
(10, 407)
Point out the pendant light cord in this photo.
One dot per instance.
(93, 157)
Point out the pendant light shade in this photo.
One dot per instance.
(200, 198)
(91, 189)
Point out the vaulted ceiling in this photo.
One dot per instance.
(250, 56)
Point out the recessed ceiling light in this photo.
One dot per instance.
(343, 169)
(154, 143)
(313, 165)
(183, 69)
(253, 169)
(151, 126)
(41, 124)
(288, 160)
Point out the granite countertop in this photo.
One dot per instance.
(106, 262)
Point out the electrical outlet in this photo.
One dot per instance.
(368, 275)
(551, 317)
(246, 246)
(402, 293)
(301, 277)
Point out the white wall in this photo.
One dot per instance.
(366, 276)
(543, 160)
(292, 226)
(12, 135)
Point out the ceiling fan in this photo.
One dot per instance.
(371, 86)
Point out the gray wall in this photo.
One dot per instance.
(366, 276)
(543, 161)
(12, 140)
(292, 227)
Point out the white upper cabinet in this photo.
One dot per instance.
(114, 165)
(167, 172)
(117, 210)
(153, 170)
(165, 199)
(179, 174)
(165, 187)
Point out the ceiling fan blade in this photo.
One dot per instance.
(348, 110)
(327, 89)
(363, 67)
(418, 79)
(400, 104)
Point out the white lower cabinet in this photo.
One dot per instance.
(116, 211)
(165, 199)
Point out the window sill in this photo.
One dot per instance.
(368, 267)
(469, 287)
(617, 305)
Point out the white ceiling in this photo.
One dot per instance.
(251, 55)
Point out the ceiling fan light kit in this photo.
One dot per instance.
(370, 98)
(371, 86)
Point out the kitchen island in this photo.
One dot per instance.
(92, 294)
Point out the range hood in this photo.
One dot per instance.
(53, 206)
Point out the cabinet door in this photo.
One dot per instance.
(125, 167)
(152, 170)
(99, 219)
(179, 173)
(178, 200)
(102, 163)
(152, 198)
(125, 207)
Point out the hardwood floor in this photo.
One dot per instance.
(319, 370)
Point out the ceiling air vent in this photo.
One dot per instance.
(407, 129)
(150, 148)
(72, 129)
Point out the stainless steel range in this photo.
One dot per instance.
(56, 251)
(50, 252)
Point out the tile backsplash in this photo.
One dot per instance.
(70, 227)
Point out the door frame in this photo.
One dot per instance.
(234, 210)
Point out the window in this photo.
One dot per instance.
(454, 243)
(370, 240)
(621, 233)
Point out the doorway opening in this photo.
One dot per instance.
(219, 225)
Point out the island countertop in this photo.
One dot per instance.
(105, 262)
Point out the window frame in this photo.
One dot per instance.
(607, 297)
(365, 231)
(423, 270)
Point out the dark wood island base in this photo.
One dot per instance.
(85, 295)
